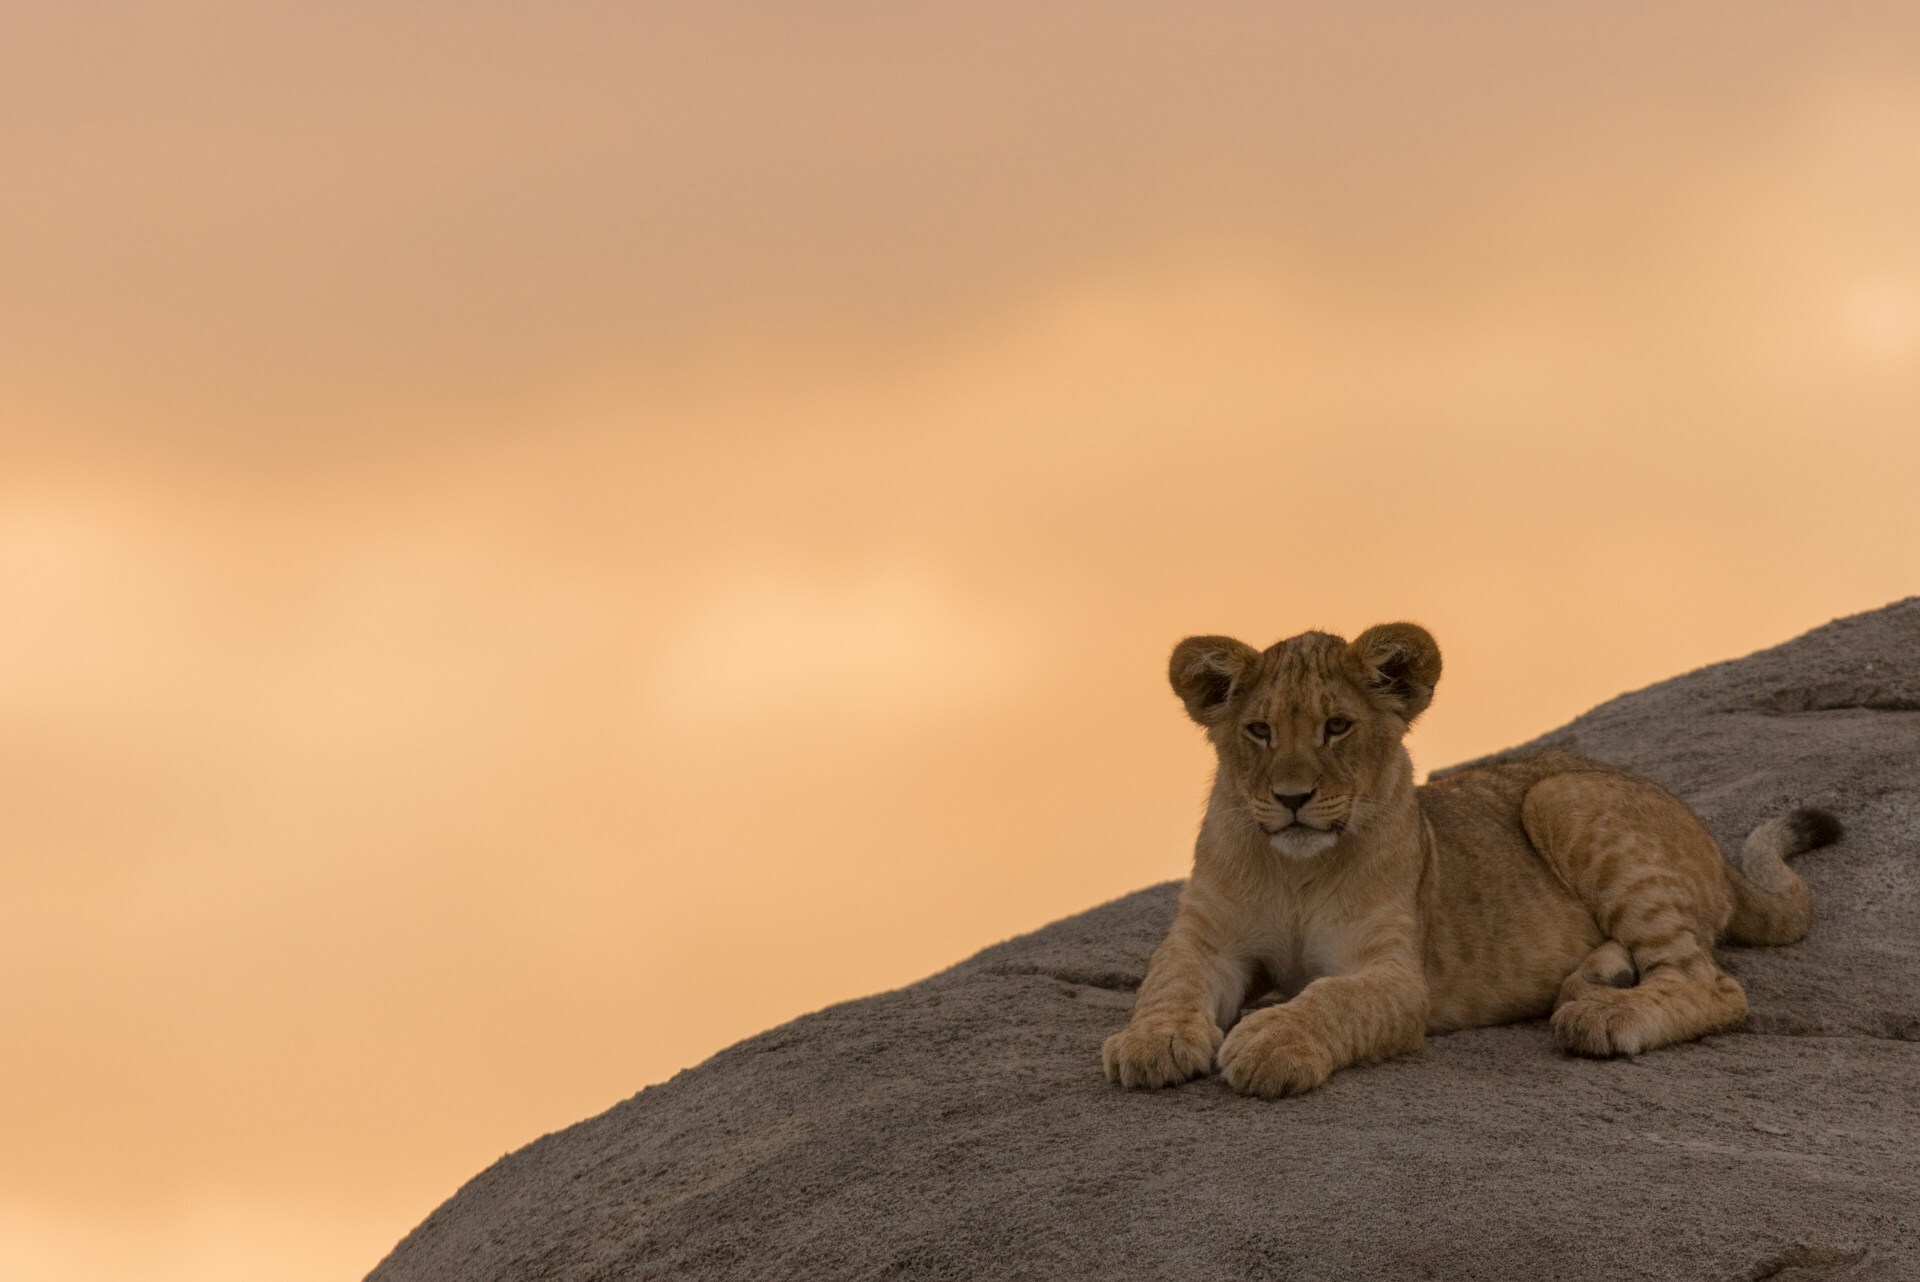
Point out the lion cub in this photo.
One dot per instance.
(1388, 911)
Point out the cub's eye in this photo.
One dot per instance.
(1260, 730)
(1337, 726)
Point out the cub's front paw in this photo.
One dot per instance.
(1272, 1053)
(1161, 1052)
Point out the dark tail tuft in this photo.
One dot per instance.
(1813, 829)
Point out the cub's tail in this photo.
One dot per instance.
(1771, 905)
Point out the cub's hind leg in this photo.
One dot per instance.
(1651, 876)
(1676, 1000)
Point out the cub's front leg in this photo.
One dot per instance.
(1378, 1010)
(1192, 990)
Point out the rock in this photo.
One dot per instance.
(961, 1128)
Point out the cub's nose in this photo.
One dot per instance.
(1296, 800)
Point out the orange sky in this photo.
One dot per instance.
(537, 541)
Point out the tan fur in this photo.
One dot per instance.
(1383, 912)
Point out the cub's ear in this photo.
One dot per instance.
(1399, 663)
(1206, 671)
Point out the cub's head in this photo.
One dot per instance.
(1308, 730)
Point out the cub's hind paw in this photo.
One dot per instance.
(1155, 1052)
(1598, 1027)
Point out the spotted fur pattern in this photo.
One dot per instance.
(1381, 912)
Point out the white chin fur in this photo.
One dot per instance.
(1302, 843)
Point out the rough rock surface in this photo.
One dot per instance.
(960, 1128)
